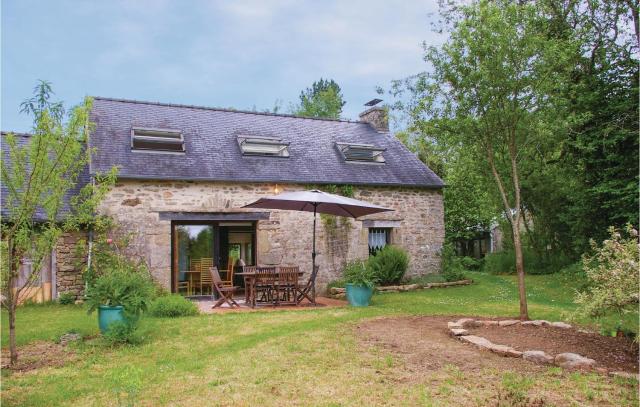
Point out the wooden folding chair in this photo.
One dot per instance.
(287, 286)
(228, 280)
(264, 283)
(225, 294)
(308, 291)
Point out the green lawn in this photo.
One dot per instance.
(308, 357)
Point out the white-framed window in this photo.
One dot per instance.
(361, 152)
(157, 140)
(378, 238)
(263, 146)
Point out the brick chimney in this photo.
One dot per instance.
(376, 116)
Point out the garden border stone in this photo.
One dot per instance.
(567, 360)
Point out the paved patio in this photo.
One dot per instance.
(205, 306)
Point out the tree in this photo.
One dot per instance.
(38, 172)
(492, 94)
(323, 99)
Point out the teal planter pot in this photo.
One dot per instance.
(359, 295)
(108, 315)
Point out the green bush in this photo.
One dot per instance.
(133, 290)
(389, 265)
(120, 333)
(339, 283)
(357, 272)
(172, 306)
(66, 298)
(504, 262)
(453, 267)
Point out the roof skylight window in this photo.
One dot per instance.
(159, 140)
(361, 152)
(259, 146)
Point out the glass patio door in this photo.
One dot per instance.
(193, 255)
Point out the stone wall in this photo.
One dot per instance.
(68, 264)
(284, 239)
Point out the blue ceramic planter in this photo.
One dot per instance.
(359, 295)
(108, 315)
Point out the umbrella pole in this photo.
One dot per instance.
(313, 256)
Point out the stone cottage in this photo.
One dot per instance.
(185, 172)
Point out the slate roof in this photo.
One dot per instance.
(212, 151)
(23, 139)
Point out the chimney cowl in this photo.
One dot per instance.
(377, 117)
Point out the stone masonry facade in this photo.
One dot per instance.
(69, 263)
(286, 237)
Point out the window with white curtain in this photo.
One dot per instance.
(378, 238)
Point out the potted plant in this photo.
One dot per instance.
(119, 295)
(360, 280)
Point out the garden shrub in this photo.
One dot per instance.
(339, 283)
(358, 272)
(612, 273)
(133, 290)
(504, 262)
(66, 298)
(389, 265)
(172, 306)
(452, 266)
(120, 333)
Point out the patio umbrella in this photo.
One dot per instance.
(317, 202)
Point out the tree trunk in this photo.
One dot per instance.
(517, 245)
(12, 333)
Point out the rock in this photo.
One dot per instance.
(459, 332)
(468, 323)
(537, 322)
(508, 322)
(340, 296)
(409, 287)
(560, 325)
(537, 356)
(69, 337)
(78, 302)
(504, 350)
(488, 323)
(574, 361)
(625, 375)
(337, 290)
(478, 341)
(454, 325)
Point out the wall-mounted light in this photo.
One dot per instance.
(277, 190)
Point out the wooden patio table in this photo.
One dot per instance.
(249, 279)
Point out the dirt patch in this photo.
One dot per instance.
(426, 345)
(38, 355)
(609, 352)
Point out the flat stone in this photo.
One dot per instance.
(478, 341)
(459, 332)
(468, 323)
(69, 337)
(337, 290)
(537, 356)
(625, 375)
(560, 325)
(574, 361)
(454, 325)
(508, 322)
(504, 350)
(537, 322)
(488, 323)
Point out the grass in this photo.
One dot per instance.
(308, 357)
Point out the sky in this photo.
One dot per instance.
(238, 54)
